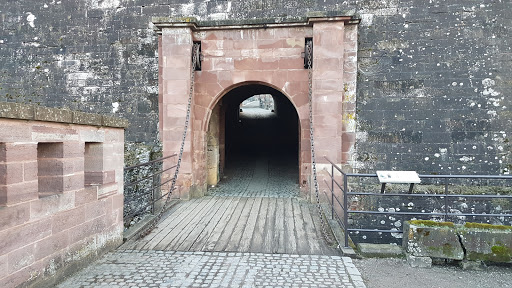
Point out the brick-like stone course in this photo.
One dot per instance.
(50, 220)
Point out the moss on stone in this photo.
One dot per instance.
(499, 254)
(447, 249)
(431, 223)
(486, 226)
(500, 250)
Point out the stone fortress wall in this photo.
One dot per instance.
(433, 87)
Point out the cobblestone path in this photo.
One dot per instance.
(128, 268)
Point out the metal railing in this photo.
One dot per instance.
(142, 187)
(445, 180)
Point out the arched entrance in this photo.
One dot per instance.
(256, 140)
(248, 60)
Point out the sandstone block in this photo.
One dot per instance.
(14, 216)
(17, 193)
(68, 219)
(481, 244)
(426, 241)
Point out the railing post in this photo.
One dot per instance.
(332, 192)
(445, 199)
(345, 211)
(153, 188)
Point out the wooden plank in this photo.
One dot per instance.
(162, 228)
(233, 244)
(311, 231)
(258, 237)
(289, 228)
(195, 240)
(270, 227)
(279, 237)
(172, 220)
(302, 237)
(248, 233)
(208, 232)
(230, 225)
(178, 235)
(218, 231)
(176, 227)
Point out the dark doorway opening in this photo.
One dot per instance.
(261, 141)
(258, 131)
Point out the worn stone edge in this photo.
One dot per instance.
(381, 251)
(138, 228)
(257, 21)
(338, 233)
(22, 111)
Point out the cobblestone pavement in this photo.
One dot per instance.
(128, 268)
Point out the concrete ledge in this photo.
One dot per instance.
(110, 121)
(380, 250)
(16, 111)
(337, 232)
(86, 119)
(53, 114)
(22, 111)
(420, 262)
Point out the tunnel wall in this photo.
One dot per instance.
(434, 77)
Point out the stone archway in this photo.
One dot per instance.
(267, 54)
(251, 133)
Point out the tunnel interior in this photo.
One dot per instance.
(257, 132)
(258, 137)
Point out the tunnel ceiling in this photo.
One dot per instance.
(239, 94)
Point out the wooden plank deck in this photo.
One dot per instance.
(239, 224)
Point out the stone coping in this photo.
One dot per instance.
(348, 16)
(40, 113)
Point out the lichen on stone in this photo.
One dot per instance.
(486, 226)
(431, 223)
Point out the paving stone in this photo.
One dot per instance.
(240, 270)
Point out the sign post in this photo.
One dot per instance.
(398, 177)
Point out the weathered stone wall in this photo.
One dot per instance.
(61, 192)
(404, 203)
(434, 77)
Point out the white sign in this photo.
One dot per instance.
(398, 177)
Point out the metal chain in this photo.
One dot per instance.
(195, 59)
(309, 55)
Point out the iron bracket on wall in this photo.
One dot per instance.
(308, 57)
(197, 54)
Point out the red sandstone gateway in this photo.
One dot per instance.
(265, 56)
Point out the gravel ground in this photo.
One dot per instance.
(397, 273)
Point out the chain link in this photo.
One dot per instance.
(309, 57)
(195, 61)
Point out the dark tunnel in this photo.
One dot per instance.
(260, 134)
